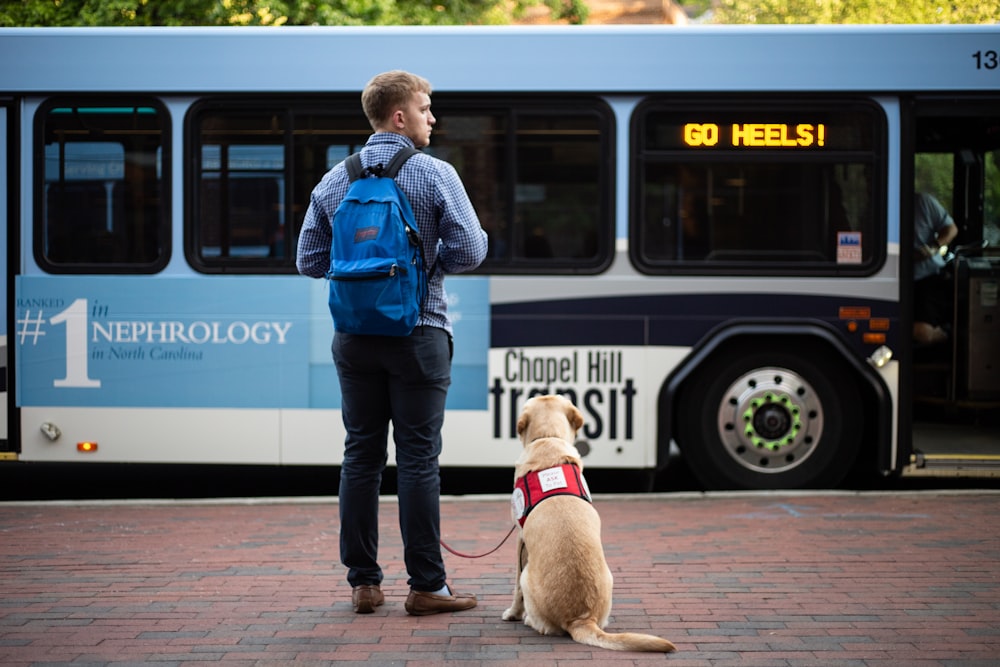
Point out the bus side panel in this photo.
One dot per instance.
(106, 358)
(201, 369)
(150, 435)
(103, 341)
(612, 385)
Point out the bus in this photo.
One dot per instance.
(701, 235)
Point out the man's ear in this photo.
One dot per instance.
(398, 119)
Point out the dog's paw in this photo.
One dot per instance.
(512, 615)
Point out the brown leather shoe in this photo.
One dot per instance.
(366, 597)
(419, 603)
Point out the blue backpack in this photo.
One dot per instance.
(377, 278)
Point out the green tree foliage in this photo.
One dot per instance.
(933, 175)
(857, 11)
(991, 199)
(276, 12)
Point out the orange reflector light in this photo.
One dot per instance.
(855, 312)
(879, 323)
(852, 326)
(86, 447)
(874, 338)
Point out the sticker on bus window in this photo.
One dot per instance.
(848, 247)
(988, 293)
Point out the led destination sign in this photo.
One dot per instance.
(755, 135)
(712, 128)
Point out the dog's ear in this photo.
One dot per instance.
(522, 424)
(575, 460)
(574, 416)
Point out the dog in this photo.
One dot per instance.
(563, 583)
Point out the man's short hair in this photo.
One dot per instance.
(389, 91)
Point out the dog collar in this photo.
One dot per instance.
(534, 487)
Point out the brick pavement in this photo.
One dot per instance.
(768, 580)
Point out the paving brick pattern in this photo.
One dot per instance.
(762, 580)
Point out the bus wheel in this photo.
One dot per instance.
(770, 421)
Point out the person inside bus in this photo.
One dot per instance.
(399, 379)
(932, 293)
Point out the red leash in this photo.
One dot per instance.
(461, 555)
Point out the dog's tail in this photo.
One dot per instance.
(586, 631)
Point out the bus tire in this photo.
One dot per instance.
(770, 420)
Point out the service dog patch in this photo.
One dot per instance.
(533, 488)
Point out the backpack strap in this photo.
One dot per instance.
(401, 156)
(355, 170)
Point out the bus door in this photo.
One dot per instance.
(955, 306)
(7, 245)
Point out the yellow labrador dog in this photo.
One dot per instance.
(563, 584)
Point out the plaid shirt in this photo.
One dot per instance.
(453, 241)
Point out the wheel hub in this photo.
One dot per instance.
(770, 420)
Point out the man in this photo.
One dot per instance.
(403, 380)
(932, 305)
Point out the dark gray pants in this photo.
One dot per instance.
(403, 380)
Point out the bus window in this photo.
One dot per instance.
(253, 174)
(558, 190)
(540, 179)
(539, 176)
(474, 143)
(252, 178)
(100, 203)
(726, 187)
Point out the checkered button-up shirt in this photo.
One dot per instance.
(449, 229)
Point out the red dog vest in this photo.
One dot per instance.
(533, 488)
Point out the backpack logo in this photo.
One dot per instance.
(365, 234)
(377, 277)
